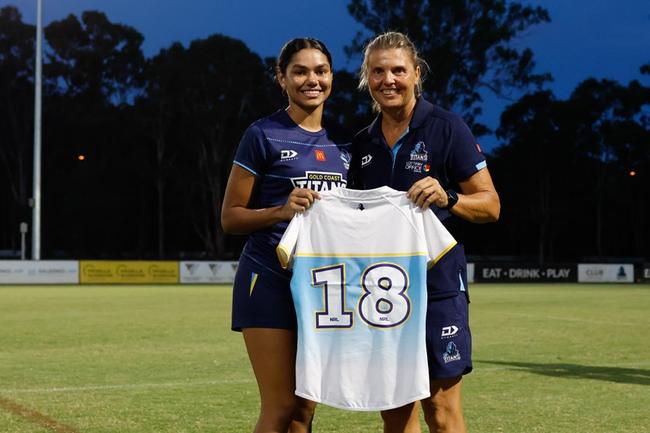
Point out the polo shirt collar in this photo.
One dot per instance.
(421, 112)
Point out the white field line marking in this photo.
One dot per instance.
(574, 319)
(124, 386)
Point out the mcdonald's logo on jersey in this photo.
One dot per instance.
(320, 155)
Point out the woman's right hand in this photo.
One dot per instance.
(298, 201)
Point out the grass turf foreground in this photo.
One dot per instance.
(162, 359)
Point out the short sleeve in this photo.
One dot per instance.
(252, 153)
(287, 245)
(465, 156)
(439, 240)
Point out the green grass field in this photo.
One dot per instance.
(162, 359)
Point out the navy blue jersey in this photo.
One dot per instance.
(283, 156)
(437, 144)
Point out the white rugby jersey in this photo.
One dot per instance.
(359, 262)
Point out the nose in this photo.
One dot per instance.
(389, 78)
(312, 78)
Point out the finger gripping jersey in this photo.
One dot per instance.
(359, 263)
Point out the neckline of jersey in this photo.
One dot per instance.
(301, 129)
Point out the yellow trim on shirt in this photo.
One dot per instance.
(441, 255)
(283, 256)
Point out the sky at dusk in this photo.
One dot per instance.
(586, 38)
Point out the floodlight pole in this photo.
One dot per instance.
(36, 210)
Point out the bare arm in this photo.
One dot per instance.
(478, 201)
(237, 217)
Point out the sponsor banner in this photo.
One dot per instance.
(605, 273)
(515, 273)
(470, 272)
(208, 272)
(128, 272)
(39, 272)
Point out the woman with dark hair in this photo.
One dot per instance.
(281, 164)
(420, 148)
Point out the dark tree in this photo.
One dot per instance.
(159, 111)
(614, 133)
(16, 123)
(92, 68)
(531, 171)
(198, 102)
(573, 174)
(95, 59)
(467, 44)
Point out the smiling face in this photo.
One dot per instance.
(392, 78)
(307, 79)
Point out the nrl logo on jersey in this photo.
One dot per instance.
(287, 155)
(419, 152)
(319, 181)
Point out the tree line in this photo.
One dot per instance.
(137, 150)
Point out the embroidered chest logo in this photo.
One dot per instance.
(320, 155)
(418, 158)
(419, 152)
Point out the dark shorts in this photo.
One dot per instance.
(261, 298)
(449, 341)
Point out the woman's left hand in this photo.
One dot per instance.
(427, 191)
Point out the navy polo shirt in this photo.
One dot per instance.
(437, 143)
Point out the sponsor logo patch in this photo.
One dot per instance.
(319, 181)
(451, 354)
(415, 167)
(366, 160)
(449, 331)
(288, 154)
(320, 155)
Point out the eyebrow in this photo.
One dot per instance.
(320, 65)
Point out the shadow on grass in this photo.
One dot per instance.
(634, 376)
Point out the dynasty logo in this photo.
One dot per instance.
(319, 181)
